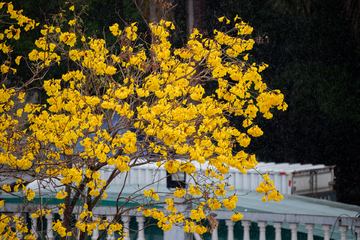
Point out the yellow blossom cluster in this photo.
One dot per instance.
(41, 212)
(236, 217)
(267, 187)
(151, 193)
(198, 214)
(57, 227)
(120, 105)
(230, 203)
(61, 208)
(179, 193)
(17, 21)
(8, 233)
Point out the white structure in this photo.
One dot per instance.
(296, 215)
(288, 178)
(338, 227)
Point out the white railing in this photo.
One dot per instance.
(337, 227)
(341, 224)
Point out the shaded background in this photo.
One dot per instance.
(312, 48)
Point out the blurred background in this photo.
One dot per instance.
(312, 48)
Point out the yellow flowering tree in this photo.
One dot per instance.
(126, 104)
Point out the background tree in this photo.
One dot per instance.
(313, 53)
(122, 103)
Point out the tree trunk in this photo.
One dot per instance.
(195, 14)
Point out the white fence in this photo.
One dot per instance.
(337, 227)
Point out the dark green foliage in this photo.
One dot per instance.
(313, 59)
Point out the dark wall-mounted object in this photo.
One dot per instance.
(174, 180)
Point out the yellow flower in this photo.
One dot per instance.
(147, 212)
(61, 194)
(33, 55)
(115, 29)
(4, 68)
(7, 188)
(172, 166)
(72, 8)
(30, 194)
(230, 203)
(131, 32)
(255, 131)
(12, 32)
(151, 193)
(84, 214)
(68, 38)
(179, 193)
(170, 206)
(236, 217)
(110, 70)
(199, 229)
(189, 225)
(5, 48)
(72, 22)
(214, 204)
(59, 228)
(17, 60)
(104, 196)
(266, 177)
(194, 190)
